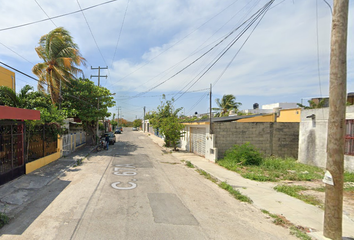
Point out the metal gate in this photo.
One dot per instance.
(12, 163)
(67, 146)
(198, 136)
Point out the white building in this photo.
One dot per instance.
(270, 108)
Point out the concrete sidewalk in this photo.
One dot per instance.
(21, 192)
(265, 197)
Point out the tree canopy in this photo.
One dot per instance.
(29, 99)
(166, 119)
(137, 123)
(313, 104)
(81, 98)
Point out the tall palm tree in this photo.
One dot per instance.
(61, 58)
(227, 103)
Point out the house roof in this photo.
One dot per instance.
(225, 119)
(19, 113)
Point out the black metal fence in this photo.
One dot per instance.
(42, 141)
(11, 150)
(20, 145)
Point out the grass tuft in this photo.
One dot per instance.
(275, 169)
(189, 164)
(298, 231)
(4, 219)
(294, 191)
(207, 175)
(239, 196)
(235, 193)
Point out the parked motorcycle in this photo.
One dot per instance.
(101, 145)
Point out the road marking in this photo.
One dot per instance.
(114, 185)
(124, 170)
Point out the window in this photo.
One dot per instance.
(349, 137)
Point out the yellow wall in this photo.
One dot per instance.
(286, 115)
(7, 78)
(30, 167)
(290, 115)
(263, 118)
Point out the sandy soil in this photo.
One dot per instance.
(348, 196)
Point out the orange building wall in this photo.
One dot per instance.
(7, 78)
(264, 118)
(289, 115)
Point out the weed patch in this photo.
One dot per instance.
(189, 164)
(348, 177)
(275, 169)
(245, 154)
(235, 193)
(4, 219)
(207, 175)
(78, 162)
(294, 191)
(298, 231)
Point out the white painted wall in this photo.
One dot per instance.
(211, 152)
(280, 105)
(313, 138)
(258, 111)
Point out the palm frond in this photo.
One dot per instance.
(9, 97)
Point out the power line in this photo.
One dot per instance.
(59, 16)
(16, 53)
(199, 90)
(328, 6)
(41, 82)
(45, 13)
(120, 31)
(196, 51)
(177, 42)
(259, 13)
(318, 51)
(196, 104)
(205, 53)
(94, 39)
(243, 44)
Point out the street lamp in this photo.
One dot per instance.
(98, 108)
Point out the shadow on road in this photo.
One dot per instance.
(42, 199)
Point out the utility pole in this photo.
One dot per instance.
(210, 130)
(333, 215)
(144, 120)
(118, 117)
(98, 100)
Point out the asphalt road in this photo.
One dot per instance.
(135, 190)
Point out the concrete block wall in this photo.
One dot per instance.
(286, 139)
(278, 139)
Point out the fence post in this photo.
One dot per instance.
(43, 140)
(75, 142)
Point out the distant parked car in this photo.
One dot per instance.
(112, 138)
(135, 129)
(120, 128)
(118, 132)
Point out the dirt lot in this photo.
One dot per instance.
(348, 196)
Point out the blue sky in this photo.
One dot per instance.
(278, 63)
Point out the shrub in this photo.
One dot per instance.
(3, 219)
(245, 154)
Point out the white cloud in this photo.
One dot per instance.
(279, 60)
